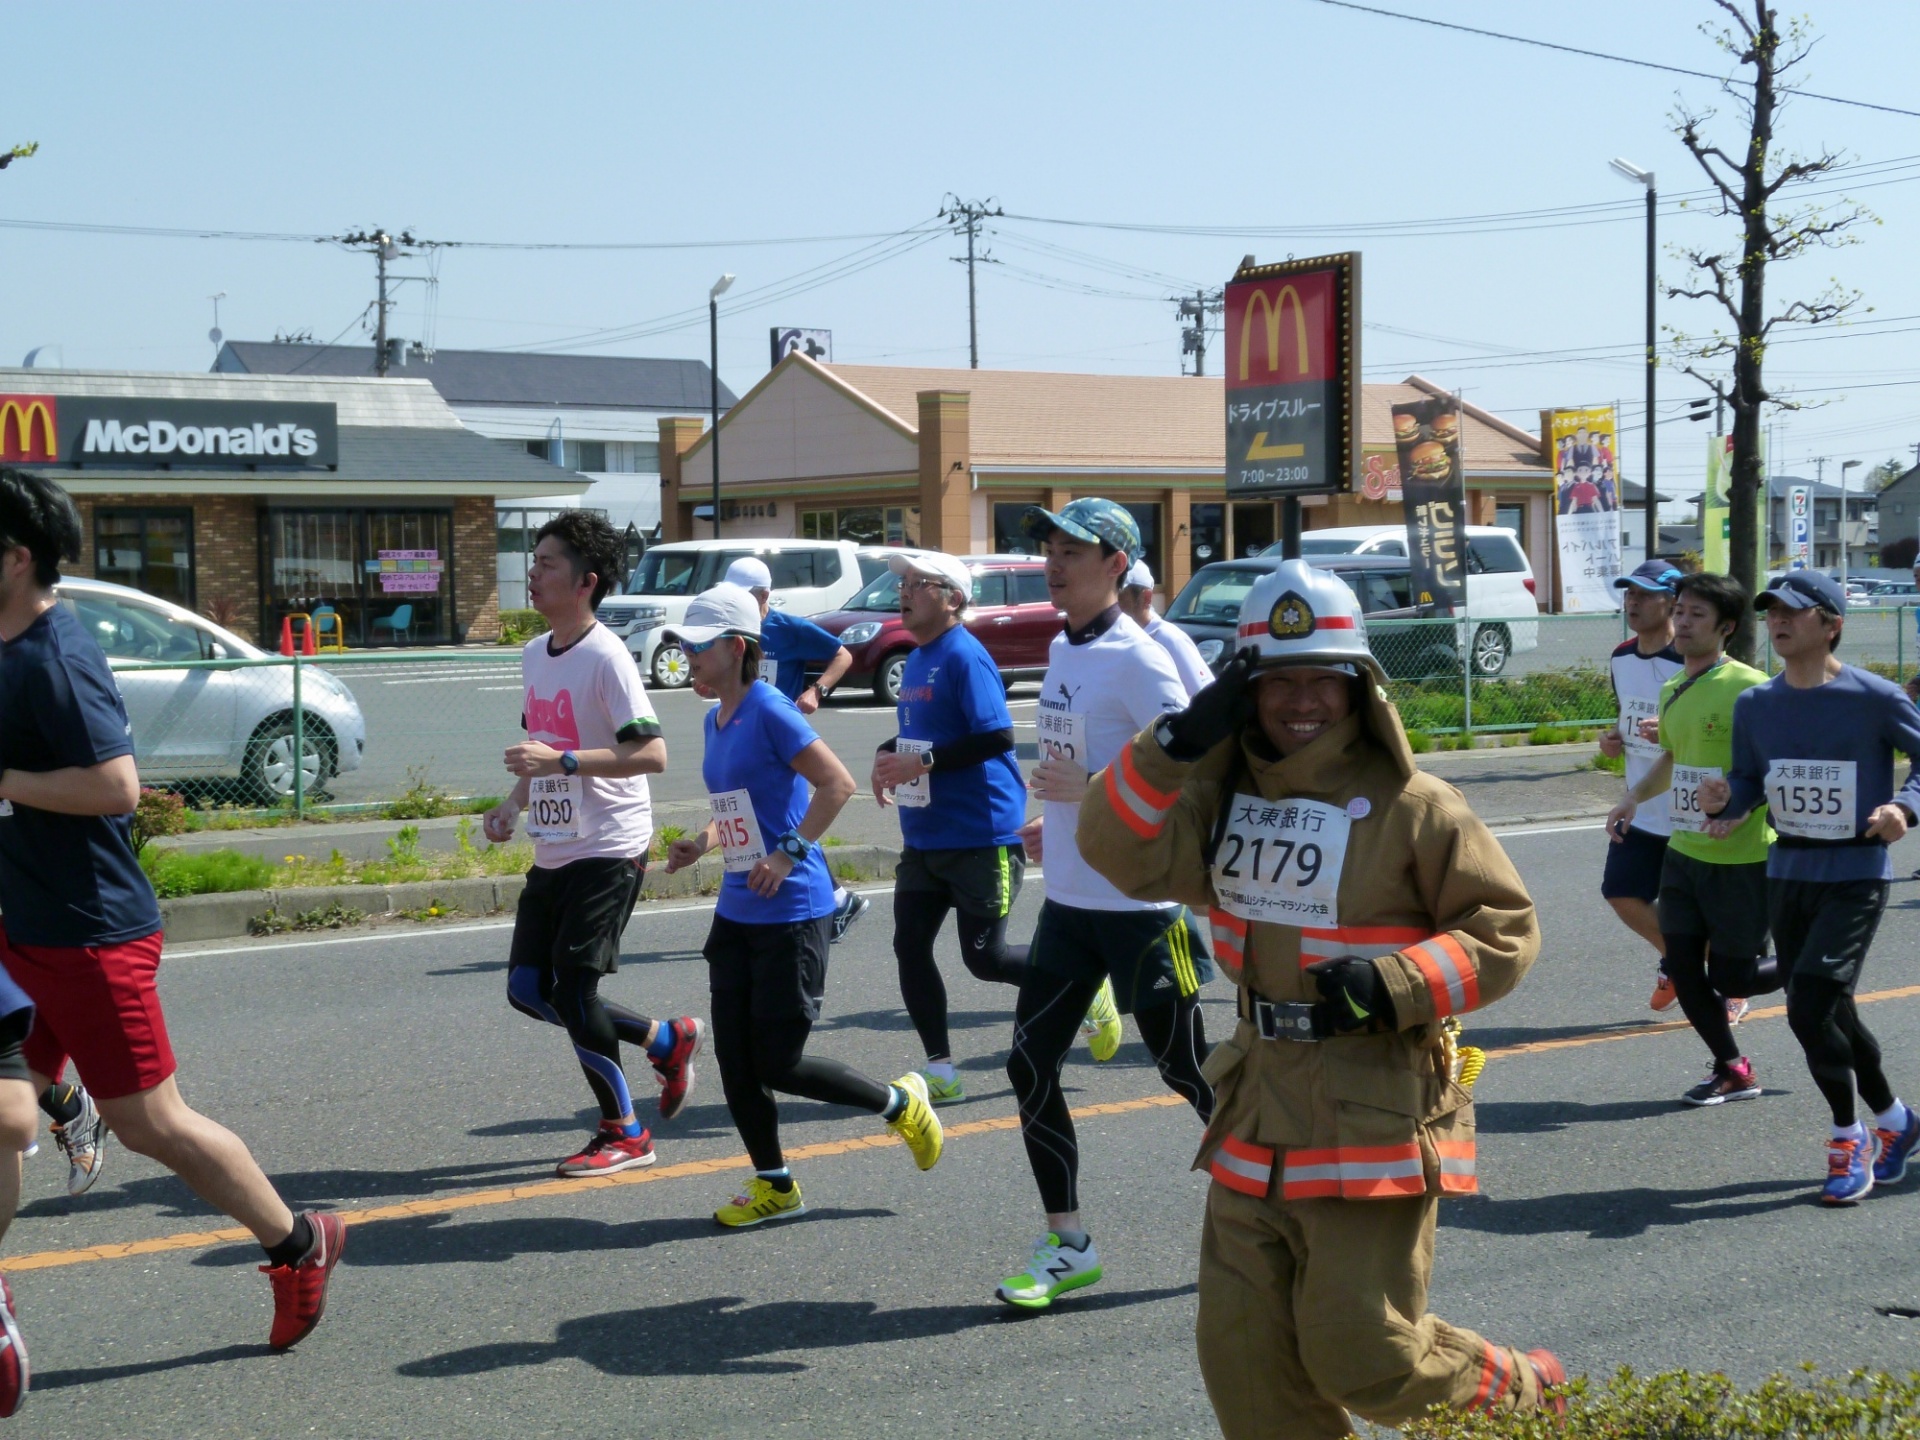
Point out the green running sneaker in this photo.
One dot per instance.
(1102, 1025)
(943, 1092)
(1054, 1270)
(760, 1203)
(917, 1124)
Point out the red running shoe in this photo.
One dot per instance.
(300, 1289)
(1664, 994)
(607, 1152)
(675, 1073)
(1548, 1370)
(13, 1355)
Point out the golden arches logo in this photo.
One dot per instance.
(23, 419)
(1275, 312)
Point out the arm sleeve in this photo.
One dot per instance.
(1745, 777)
(1147, 818)
(80, 714)
(1486, 935)
(975, 749)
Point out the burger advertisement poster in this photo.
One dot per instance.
(1584, 451)
(1433, 487)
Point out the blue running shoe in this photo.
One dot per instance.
(1891, 1167)
(1849, 1170)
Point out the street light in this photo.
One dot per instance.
(1845, 466)
(720, 288)
(1645, 177)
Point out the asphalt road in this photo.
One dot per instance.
(384, 1076)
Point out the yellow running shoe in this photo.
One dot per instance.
(917, 1124)
(1102, 1025)
(760, 1203)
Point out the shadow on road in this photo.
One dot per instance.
(62, 1379)
(897, 1019)
(1541, 1117)
(1499, 1037)
(713, 1337)
(1622, 1214)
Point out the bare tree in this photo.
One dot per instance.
(18, 152)
(1753, 180)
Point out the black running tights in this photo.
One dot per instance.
(1841, 1052)
(917, 918)
(570, 998)
(1703, 980)
(1045, 1020)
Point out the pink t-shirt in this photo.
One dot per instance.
(581, 699)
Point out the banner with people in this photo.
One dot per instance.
(1433, 487)
(1585, 453)
(1716, 510)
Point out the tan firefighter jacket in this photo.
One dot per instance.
(1425, 892)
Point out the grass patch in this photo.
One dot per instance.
(405, 862)
(519, 626)
(421, 800)
(334, 916)
(1419, 741)
(1579, 696)
(1612, 764)
(177, 873)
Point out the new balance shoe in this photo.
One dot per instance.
(83, 1140)
(848, 911)
(759, 1204)
(1102, 1025)
(1724, 1083)
(1849, 1170)
(300, 1289)
(14, 1372)
(1551, 1376)
(1054, 1270)
(1895, 1147)
(609, 1152)
(943, 1092)
(917, 1124)
(1737, 1010)
(1664, 995)
(675, 1073)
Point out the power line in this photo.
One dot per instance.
(165, 232)
(1601, 55)
(966, 216)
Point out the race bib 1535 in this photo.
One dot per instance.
(1814, 799)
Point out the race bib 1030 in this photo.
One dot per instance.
(553, 807)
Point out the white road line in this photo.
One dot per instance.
(485, 689)
(452, 679)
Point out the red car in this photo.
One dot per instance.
(1011, 615)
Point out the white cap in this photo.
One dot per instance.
(1297, 614)
(749, 573)
(723, 610)
(1140, 576)
(935, 565)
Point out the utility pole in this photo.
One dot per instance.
(966, 215)
(1193, 337)
(385, 248)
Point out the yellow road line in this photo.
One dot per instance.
(546, 1189)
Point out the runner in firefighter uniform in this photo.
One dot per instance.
(1359, 905)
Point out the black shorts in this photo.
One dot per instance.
(1151, 956)
(1633, 867)
(982, 880)
(1823, 928)
(1725, 903)
(575, 914)
(782, 966)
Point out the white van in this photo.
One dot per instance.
(1499, 577)
(810, 577)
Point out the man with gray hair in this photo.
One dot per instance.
(1136, 603)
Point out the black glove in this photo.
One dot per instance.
(1356, 997)
(1217, 713)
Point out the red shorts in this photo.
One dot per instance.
(98, 1005)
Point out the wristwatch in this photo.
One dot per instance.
(794, 846)
(1163, 734)
(926, 759)
(569, 762)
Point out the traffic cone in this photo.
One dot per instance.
(307, 647)
(286, 635)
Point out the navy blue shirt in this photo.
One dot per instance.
(951, 689)
(754, 752)
(790, 641)
(1855, 717)
(66, 880)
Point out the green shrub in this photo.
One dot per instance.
(1550, 735)
(1683, 1405)
(175, 873)
(334, 916)
(157, 813)
(1612, 764)
(519, 626)
(1419, 741)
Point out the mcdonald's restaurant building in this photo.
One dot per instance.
(950, 459)
(250, 498)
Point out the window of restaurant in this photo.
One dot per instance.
(150, 550)
(386, 574)
(1208, 527)
(864, 524)
(1147, 517)
(1009, 538)
(1252, 528)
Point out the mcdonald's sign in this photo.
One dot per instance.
(29, 429)
(1293, 377)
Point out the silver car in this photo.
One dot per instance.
(215, 722)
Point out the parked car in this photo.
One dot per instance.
(1011, 615)
(809, 577)
(215, 723)
(1208, 609)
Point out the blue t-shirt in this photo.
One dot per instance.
(754, 752)
(67, 880)
(951, 689)
(791, 641)
(1855, 716)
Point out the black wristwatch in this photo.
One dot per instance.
(794, 846)
(569, 762)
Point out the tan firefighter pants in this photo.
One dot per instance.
(1313, 1308)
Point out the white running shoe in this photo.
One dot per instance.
(1054, 1270)
(84, 1140)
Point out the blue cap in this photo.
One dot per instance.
(1799, 589)
(1091, 519)
(1656, 577)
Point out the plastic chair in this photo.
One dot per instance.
(328, 632)
(399, 623)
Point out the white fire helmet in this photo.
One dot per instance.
(1299, 615)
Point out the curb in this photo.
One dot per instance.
(231, 916)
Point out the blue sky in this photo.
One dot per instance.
(603, 123)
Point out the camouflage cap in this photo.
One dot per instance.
(1090, 519)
